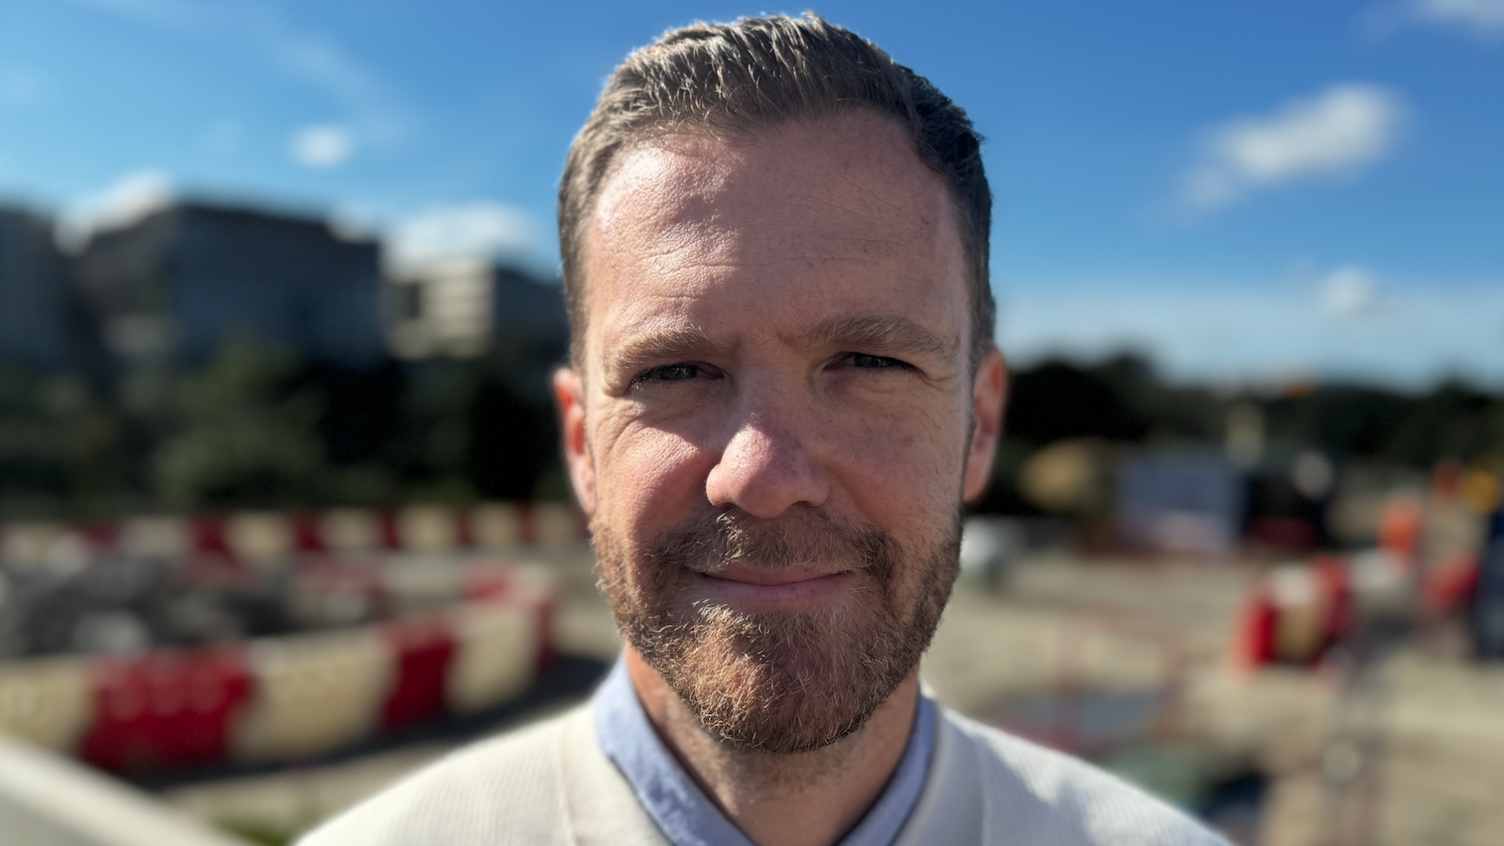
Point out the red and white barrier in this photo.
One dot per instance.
(484, 671)
(421, 649)
(313, 694)
(299, 696)
(264, 537)
(1296, 613)
(166, 709)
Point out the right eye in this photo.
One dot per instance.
(668, 373)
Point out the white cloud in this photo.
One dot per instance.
(481, 230)
(322, 146)
(1349, 291)
(1484, 18)
(1338, 131)
(124, 201)
(326, 66)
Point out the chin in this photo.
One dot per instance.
(782, 680)
(785, 681)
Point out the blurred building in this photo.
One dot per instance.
(34, 314)
(464, 309)
(1184, 501)
(175, 284)
(1197, 500)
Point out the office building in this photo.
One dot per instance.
(34, 315)
(175, 284)
(465, 309)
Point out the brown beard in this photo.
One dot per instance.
(779, 682)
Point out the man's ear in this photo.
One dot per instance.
(569, 394)
(989, 395)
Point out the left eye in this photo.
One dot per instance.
(876, 362)
(680, 372)
(674, 372)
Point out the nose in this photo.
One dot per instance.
(768, 466)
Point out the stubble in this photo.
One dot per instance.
(784, 681)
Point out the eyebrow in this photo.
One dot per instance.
(659, 345)
(878, 334)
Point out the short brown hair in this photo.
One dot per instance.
(755, 74)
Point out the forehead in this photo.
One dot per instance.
(832, 215)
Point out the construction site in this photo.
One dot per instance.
(1326, 700)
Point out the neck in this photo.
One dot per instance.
(803, 799)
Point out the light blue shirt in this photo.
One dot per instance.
(688, 818)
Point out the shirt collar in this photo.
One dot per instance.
(688, 818)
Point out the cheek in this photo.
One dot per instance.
(649, 479)
(900, 468)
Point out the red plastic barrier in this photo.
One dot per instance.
(547, 654)
(209, 535)
(359, 574)
(464, 529)
(306, 536)
(1449, 587)
(1253, 640)
(215, 534)
(165, 710)
(386, 522)
(102, 538)
(422, 648)
(1335, 588)
(1301, 629)
(487, 585)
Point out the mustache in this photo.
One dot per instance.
(810, 539)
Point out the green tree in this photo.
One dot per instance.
(245, 438)
(61, 447)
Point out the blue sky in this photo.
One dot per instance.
(1246, 191)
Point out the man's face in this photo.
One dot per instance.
(775, 421)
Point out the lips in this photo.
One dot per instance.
(773, 589)
(770, 576)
